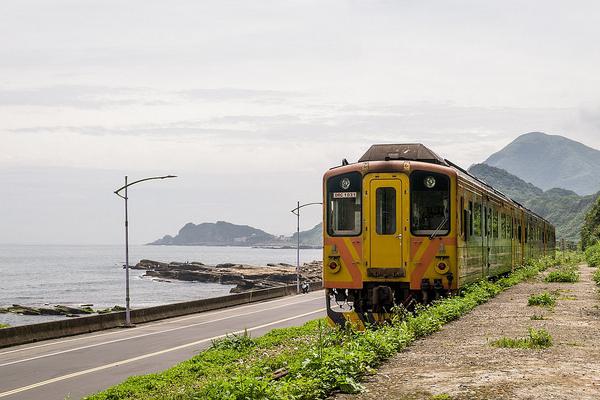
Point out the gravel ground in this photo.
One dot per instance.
(459, 363)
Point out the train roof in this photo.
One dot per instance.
(410, 151)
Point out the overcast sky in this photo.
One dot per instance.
(250, 102)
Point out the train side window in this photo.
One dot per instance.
(520, 234)
(461, 216)
(495, 224)
(470, 218)
(385, 210)
(477, 220)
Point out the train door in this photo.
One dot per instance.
(386, 223)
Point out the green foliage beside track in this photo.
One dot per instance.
(590, 232)
(307, 362)
(4, 326)
(592, 255)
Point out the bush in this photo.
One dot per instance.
(592, 255)
(542, 299)
(570, 275)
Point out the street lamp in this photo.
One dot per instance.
(127, 309)
(296, 212)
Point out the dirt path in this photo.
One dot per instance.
(459, 363)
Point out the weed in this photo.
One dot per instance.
(536, 317)
(542, 299)
(537, 339)
(4, 326)
(442, 396)
(566, 274)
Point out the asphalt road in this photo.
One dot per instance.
(77, 366)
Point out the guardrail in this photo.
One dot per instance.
(74, 326)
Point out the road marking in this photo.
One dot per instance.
(144, 356)
(147, 334)
(172, 320)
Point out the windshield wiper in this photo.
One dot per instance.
(439, 227)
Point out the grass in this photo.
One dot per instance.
(536, 317)
(311, 361)
(4, 326)
(543, 299)
(537, 339)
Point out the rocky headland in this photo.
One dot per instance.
(244, 277)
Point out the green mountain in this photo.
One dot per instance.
(311, 237)
(563, 208)
(550, 161)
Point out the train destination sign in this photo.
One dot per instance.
(344, 195)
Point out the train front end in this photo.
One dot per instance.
(389, 233)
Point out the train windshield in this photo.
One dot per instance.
(430, 203)
(344, 205)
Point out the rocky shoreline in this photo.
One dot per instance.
(66, 311)
(244, 277)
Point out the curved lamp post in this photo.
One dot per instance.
(127, 309)
(296, 212)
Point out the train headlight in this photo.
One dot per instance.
(429, 182)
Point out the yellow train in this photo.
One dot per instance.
(403, 224)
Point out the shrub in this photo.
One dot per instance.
(592, 255)
(542, 299)
(570, 275)
(537, 339)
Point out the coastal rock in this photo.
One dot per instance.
(244, 277)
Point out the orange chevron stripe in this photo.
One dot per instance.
(433, 247)
(348, 262)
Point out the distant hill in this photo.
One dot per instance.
(311, 237)
(224, 233)
(220, 233)
(550, 161)
(564, 208)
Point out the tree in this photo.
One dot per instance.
(590, 232)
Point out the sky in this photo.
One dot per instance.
(250, 102)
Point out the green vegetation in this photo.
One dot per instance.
(590, 232)
(596, 276)
(542, 299)
(592, 255)
(311, 361)
(536, 317)
(564, 208)
(442, 396)
(537, 339)
(4, 326)
(568, 274)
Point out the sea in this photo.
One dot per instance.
(46, 275)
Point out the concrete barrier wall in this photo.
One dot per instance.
(75, 326)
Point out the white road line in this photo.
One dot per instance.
(146, 334)
(144, 356)
(150, 324)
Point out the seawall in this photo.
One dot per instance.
(74, 326)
